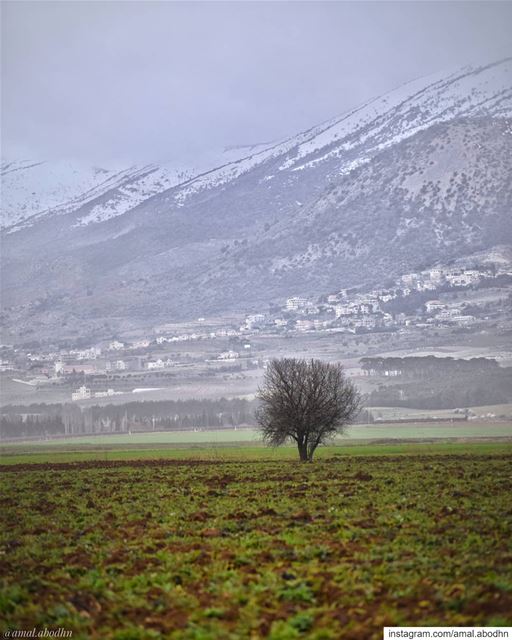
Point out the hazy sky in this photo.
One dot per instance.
(127, 82)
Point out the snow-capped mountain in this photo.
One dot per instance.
(420, 174)
(353, 138)
(32, 189)
(41, 188)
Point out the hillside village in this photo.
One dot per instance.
(460, 298)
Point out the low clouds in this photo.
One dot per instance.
(128, 82)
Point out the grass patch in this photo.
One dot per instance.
(30, 455)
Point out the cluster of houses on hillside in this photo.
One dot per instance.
(351, 311)
(369, 310)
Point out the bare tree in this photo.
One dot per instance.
(306, 401)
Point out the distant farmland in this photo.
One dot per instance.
(388, 431)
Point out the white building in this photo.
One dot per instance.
(409, 279)
(365, 322)
(387, 319)
(115, 345)
(447, 314)
(159, 364)
(436, 275)
(82, 393)
(342, 310)
(310, 309)
(105, 394)
(464, 320)
(255, 320)
(434, 305)
(367, 308)
(304, 325)
(296, 303)
(426, 285)
(141, 344)
(228, 355)
(87, 354)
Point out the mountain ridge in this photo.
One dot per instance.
(306, 212)
(372, 109)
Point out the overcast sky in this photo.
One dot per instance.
(128, 82)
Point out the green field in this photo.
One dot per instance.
(355, 433)
(244, 542)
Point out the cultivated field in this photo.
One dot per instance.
(258, 546)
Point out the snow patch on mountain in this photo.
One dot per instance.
(33, 189)
(415, 106)
(138, 187)
(357, 135)
(230, 171)
(30, 188)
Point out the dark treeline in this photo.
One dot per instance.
(438, 383)
(428, 367)
(13, 425)
(68, 419)
(40, 420)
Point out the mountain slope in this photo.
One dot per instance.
(419, 175)
(32, 190)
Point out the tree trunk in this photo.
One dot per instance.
(311, 451)
(303, 452)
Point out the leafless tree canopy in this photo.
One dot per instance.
(307, 401)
